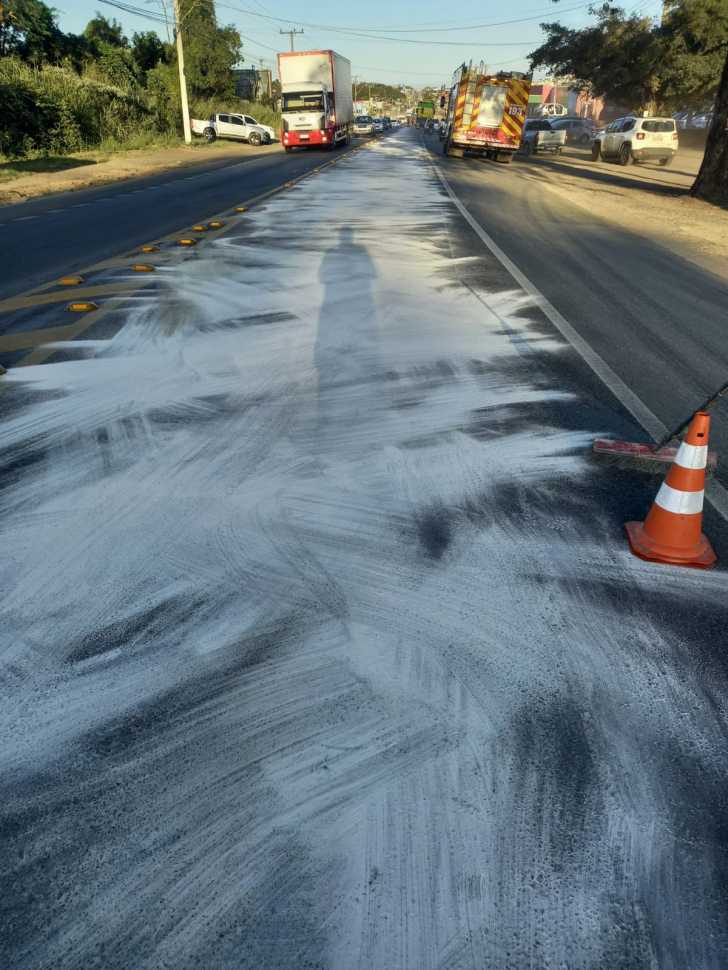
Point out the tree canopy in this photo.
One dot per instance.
(635, 61)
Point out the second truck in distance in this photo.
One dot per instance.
(316, 102)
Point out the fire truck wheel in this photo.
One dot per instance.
(446, 146)
(503, 157)
(287, 149)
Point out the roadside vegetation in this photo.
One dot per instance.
(661, 67)
(99, 91)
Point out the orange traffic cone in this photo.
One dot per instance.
(671, 533)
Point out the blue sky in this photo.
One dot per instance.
(451, 32)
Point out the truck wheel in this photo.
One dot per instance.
(625, 155)
(209, 134)
(527, 147)
(287, 149)
(254, 138)
(347, 139)
(504, 157)
(596, 152)
(446, 146)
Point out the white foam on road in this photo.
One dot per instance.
(313, 650)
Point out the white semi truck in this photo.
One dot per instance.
(316, 102)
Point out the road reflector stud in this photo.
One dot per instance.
(241, 208)
(315, 170)
(199, 229)
(672, 531)
(83, 305)
(217, 225)
(70, 281)
(142, 268)
(186, 242)
(149, 249)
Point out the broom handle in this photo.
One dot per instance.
(703, 407)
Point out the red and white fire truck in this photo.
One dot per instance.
(485, 113)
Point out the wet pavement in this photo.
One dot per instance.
(323, 645)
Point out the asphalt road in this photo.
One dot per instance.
(322, 643)
(658, 320)
(54, 236)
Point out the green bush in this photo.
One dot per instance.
(56, 111)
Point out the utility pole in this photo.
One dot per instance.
(355, 82)
(182, 75)
(292, 34)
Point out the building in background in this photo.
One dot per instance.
(252, 83)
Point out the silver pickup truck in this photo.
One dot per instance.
(538, 135)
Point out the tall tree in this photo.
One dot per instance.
(148, 50)
(28, 29)
(101, 30)
(712, 181)
(210, 51)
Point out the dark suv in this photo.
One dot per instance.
(579, 131)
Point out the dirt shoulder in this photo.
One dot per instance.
(89, 170)
(644, 198)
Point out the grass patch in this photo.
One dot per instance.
(33, 166)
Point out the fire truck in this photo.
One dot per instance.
(485, 113)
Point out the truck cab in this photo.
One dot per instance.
(316, 102)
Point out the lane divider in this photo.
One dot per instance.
(70, 281)
(84, 306)
(143, 268)
(38, 296)
(199, 229)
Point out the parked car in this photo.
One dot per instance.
(632, 139)
(579, 131)
(378, 126)
(539, 135)
(363, 125)
(236, 127)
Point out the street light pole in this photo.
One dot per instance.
(182, 75)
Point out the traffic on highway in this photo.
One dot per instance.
(365, 531)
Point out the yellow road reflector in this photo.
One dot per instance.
(142, 268)
(149, 249)
(217, 225)
(199, 229)
(70, 281)
(241, 208)
(315, 170)
(186, 242)
(289, 184)
(83, 305)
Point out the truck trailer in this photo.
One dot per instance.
(316, 102)
(486, 113)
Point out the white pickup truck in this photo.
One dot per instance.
(237, 127)
(538, 135)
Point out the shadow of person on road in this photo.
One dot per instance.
(347, 353)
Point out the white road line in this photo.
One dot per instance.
(24, 218)
(715, 492)
(80, 205)
(54, 210)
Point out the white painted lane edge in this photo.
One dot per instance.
(717, 495)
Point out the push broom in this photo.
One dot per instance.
(659, 454)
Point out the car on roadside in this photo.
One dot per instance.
(540, 135)
(378, 126)
(632, 139)
(233, 126)
(363, 125)
(579, 131)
